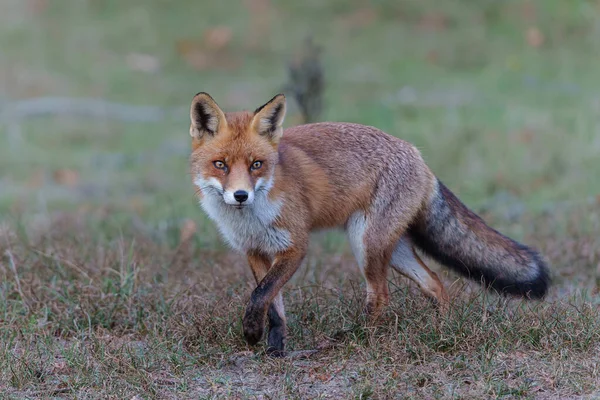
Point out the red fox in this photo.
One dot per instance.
(266, 189)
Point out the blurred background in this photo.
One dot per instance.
(114, 284)
(502, 97)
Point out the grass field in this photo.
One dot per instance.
(113, 284)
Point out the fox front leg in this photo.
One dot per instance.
(277, 327)
(260, 264)
(284, 266)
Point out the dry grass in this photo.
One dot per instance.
(104, 301)
(91, 311)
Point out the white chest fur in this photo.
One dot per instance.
(250, 227)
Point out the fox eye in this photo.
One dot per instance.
(256, 165)
(219, 164)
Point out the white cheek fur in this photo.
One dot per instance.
(206, 184)
(264, 184)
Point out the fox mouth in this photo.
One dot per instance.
(239, 206)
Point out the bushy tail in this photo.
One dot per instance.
(456, 237)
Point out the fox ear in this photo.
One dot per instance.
(268, 119)
(206, 116)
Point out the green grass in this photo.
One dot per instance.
(100, 299)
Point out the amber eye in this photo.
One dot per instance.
(219, 164)
(256, 165)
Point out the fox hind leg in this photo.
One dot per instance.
(373, 251)
(377, 261)
(408, 263)
(375, 232)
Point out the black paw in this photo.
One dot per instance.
(254, 326)
(276, 339)
(276, 353)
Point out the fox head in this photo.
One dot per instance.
(234, 154)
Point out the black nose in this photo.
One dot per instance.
(240, 196)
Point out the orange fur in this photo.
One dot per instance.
(329, 175)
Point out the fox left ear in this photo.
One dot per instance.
(206, 116)
(268, 119)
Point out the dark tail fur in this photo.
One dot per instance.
(456, 237)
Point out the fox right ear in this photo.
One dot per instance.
(268, 119)
(206, 116)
